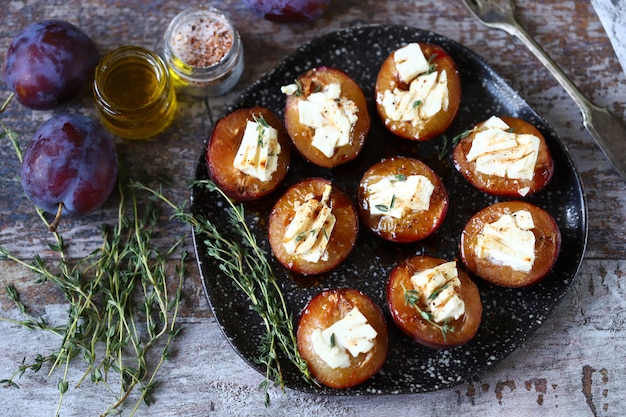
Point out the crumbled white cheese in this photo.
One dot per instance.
(331, 115)
(395, 195)
(410, 62)
(309, 231)
(427, 94)
(352, 335)
(259, 150)
(509, 241)
(500, 152)
(438, 287)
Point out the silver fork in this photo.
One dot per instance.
(607, 130)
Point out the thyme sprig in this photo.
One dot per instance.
(120, 306)
(412, 299)
(246, 264)
(451, 144)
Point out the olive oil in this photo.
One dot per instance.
(133, 92)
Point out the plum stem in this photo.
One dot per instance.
(57, 219)
(6, 103)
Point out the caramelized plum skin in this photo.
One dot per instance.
(302, 135)
(413, 325)
(506, 187)
(71, 160)
(325, 309)
(547, 245)
(48, 63)
(388, 79)
(414, 226)
(342, 238)
(288, 11)
(223, 147)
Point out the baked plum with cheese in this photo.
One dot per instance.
(434, 302)
(505, 156)
(249, 153)
(326, 116)
(418, 91)
(402, 199)
(313, 227)
(343, 336)
(511, 244)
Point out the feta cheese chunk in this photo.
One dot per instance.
(438, 291)
(258, 152)
(309, 231)
(497, 151)
(395, 195)
(329, 114)
(509, 241)
(352, 335)
(427, 92)
(410, 62)
(427, 95)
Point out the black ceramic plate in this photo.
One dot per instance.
(510, 316)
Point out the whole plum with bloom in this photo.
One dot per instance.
(72, 161)
(48, 63)
(287, 11)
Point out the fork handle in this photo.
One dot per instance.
(608, 131)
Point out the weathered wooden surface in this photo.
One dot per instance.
(572, 366)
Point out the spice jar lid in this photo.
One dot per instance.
(203, 51)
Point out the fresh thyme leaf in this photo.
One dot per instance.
(333, 342)
(436, 293)
(243, 261)
(119, 305)
(460, 136)
(441, 154)
(382, 207)
(412, 298)
(299, 90)
(431, 65)
(260, 120)
(401, 177)
(387, 208)
(416, 103)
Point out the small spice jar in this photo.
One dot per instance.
(204, 52)
(134, 95)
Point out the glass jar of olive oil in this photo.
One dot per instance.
(134, 95)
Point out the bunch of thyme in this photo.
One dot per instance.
(245, 263)
(120, 304)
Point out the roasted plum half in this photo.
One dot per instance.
(249, 153)
(402, 199)
(343, 336)
(326, 116)
(511, 244)
(418, 91)
(504, 156)
(313, 227)
(434, 302)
